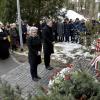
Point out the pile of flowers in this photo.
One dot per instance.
(60, 75)
(76, 83)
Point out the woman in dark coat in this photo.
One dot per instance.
(4, 44)
(14, 37)
(47, 36)
(34, 57)
(60, 31)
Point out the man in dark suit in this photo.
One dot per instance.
(48, 43)
(24, 32)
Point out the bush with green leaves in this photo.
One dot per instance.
(80, 84)
(8, 93)
(93, 32)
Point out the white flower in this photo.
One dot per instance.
(64, 71)
(58, 78)
(57, 81)
(51, 82)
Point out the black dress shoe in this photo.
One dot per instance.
(49, 68)
(38, 77)
(35, 79)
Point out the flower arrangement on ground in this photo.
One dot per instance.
(75, 83)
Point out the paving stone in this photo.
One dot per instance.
(21, 76)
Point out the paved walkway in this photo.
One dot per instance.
(21, 76)
(8, 64)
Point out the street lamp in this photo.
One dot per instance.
(19, 24)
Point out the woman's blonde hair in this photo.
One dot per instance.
(33, 29)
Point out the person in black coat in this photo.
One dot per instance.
(4, 44)
(72, 31)
(66, 30)
(54, 28)
(34, 57)
(47, 43)
(14, 37)
(24, 32)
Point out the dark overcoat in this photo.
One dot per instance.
(47, 40)
(66, 29)
(4, 46)
(34, 46)
(60, 29)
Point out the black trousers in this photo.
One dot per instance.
(4, 53)
(66, 38)
(24, 38)
(55, 37)
(72, 38)
(33, 67)
(60, 38)
(47, 59)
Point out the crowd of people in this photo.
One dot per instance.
(38, 35)
(69, 30)
(49, 32)
(9, 38)
(62, 31)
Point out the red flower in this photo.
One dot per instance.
(67, 77)
(56, 71)
(50, 77)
